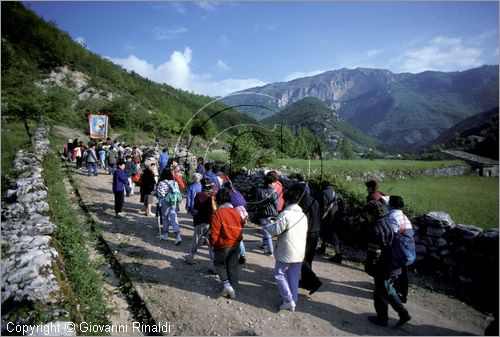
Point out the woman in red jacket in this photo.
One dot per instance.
(225, 236)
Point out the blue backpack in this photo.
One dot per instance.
(403, 247)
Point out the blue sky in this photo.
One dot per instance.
(215, 48)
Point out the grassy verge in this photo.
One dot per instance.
(467, 199)
(82, 275)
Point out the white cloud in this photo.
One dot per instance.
(440, 53)
(207, 6)
(373, 53)
(169, 7)
(177, 73)
(80, 40)
(168, 33)
(299, 74)
(221, 65)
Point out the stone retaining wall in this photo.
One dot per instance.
(28, 258)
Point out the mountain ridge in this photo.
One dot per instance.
(404, 110)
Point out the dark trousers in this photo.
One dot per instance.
(119, 201)
(308, 277)
(402, 283)
(226, 264)
(385, 294)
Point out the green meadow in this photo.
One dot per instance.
(468, 200)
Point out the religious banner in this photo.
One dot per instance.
(98, 126)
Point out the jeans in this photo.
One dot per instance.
(226, 264)
(168, 217)
(243, 251)
(287, 279)
(385, 294)
(102, 159)
(266, 237)
(201, 232)
(92, 166)
(111, 168)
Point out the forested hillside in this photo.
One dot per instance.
(35, 52)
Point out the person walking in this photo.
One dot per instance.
(332, 213)
(382, 267)
(291, 229)
(120, 180)
(266, 204)
(91, 160)
(112, 157)
(163, 160)
(148, 183)
(130, 170)
(169, 196)
(400, 223)
(225, 236)
(310, 207)
(239, 203)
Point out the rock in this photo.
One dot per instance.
(441, 242)
(438, 219)
(468, 232)
(436, 232)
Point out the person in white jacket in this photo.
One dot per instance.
(291, 228)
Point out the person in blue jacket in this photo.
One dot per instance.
(164, 157)
(120, 180)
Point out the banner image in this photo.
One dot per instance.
(98, 126)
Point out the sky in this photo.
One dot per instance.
(215, 48)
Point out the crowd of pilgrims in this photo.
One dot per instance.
(302, 222)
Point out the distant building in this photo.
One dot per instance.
(485, 166)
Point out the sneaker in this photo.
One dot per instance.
(178, 241)
(288, 306)
(164, 237)
(403, 319)
(269, 253)
(119, 215)
(377, 321)
(242, 260)
(188, 259)
(315, 287)
(229, 291)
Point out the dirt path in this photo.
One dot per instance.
(185, 297)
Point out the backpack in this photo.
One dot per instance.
(403, 246)
(266, 207)
(173, 195)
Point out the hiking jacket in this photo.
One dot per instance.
(266, 202)
(379, 261)
(91, 156)
(148, 182)
(203, 205)
(193, 189)
(120, 179)
(291, 229)
(225, 227)
(310, 207)
(130, 168)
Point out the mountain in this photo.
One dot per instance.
(477, 134)
(48, 76)
(314, 115)
(332, 87)
(403, 110)
(417, 109)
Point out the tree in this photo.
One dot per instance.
(346, 151)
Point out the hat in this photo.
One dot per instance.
(120, 162)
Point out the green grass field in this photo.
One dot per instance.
(468, 200)
(364, 165)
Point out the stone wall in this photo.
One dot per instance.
(28, 258)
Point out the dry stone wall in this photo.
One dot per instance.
(28, 257)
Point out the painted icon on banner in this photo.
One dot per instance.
(98, 126)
